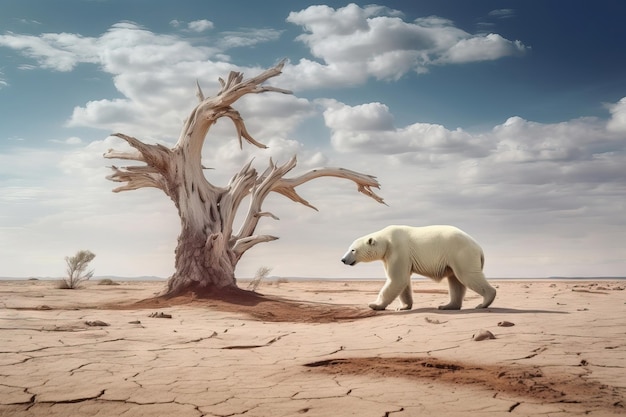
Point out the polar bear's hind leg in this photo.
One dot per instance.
(406, 297)
(457, 292)
(477, 282)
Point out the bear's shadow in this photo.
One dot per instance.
(469, 310)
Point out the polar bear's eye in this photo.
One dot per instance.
(370, 241)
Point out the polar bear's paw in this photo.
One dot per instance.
(375, 306)
(449, 306)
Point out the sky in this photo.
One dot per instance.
(504, 118)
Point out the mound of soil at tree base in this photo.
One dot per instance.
(517, 381)
(257, 306)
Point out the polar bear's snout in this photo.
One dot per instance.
(349, 258)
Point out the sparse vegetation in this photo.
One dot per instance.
(107, 281)
(76, 269)
(259, 276)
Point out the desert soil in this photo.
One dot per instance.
(312, 348)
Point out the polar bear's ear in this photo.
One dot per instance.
(371, 241)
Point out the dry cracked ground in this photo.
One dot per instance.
(559, 350)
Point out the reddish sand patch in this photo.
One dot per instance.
(259, 307)
(514, 380)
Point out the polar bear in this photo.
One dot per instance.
(436, 252)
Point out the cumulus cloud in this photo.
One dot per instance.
(200, 25)
(124, 45)
(57, 51)
(369, 128)
(481, 48)
(518, 151)
(354, 43)
(155, 73)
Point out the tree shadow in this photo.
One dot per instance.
(257, 306)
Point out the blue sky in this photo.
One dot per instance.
(505, 118)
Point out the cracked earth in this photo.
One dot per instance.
(559, 350)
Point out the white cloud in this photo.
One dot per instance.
(617, 122)
(58, 51)
(249, 37)
(125, 45)
(481, 48)
(200, 25)
(156, 74)
(365, 117)
(516, 151)
(354, 43)
(368, 128)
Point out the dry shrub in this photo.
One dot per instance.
(107, 281)
(76, 269)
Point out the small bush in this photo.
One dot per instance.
(259, 276)
(76, 267)
(107, 281)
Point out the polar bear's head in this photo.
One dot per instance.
(366, 249)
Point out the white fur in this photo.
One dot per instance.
(435, 252)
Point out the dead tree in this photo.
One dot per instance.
(208, 248)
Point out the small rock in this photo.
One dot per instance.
(483, 335)
(506, 324)
(161, 315)
(96, 323)
(134, 322)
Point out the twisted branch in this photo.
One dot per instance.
(157, 159)
(212, 108)
(364, 182)
(135, 178)
(272, 180)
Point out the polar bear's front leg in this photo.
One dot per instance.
(386, 295)
(398, 277)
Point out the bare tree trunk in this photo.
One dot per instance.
(208, 248)
(204, 264)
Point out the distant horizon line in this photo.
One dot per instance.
(294, 278)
